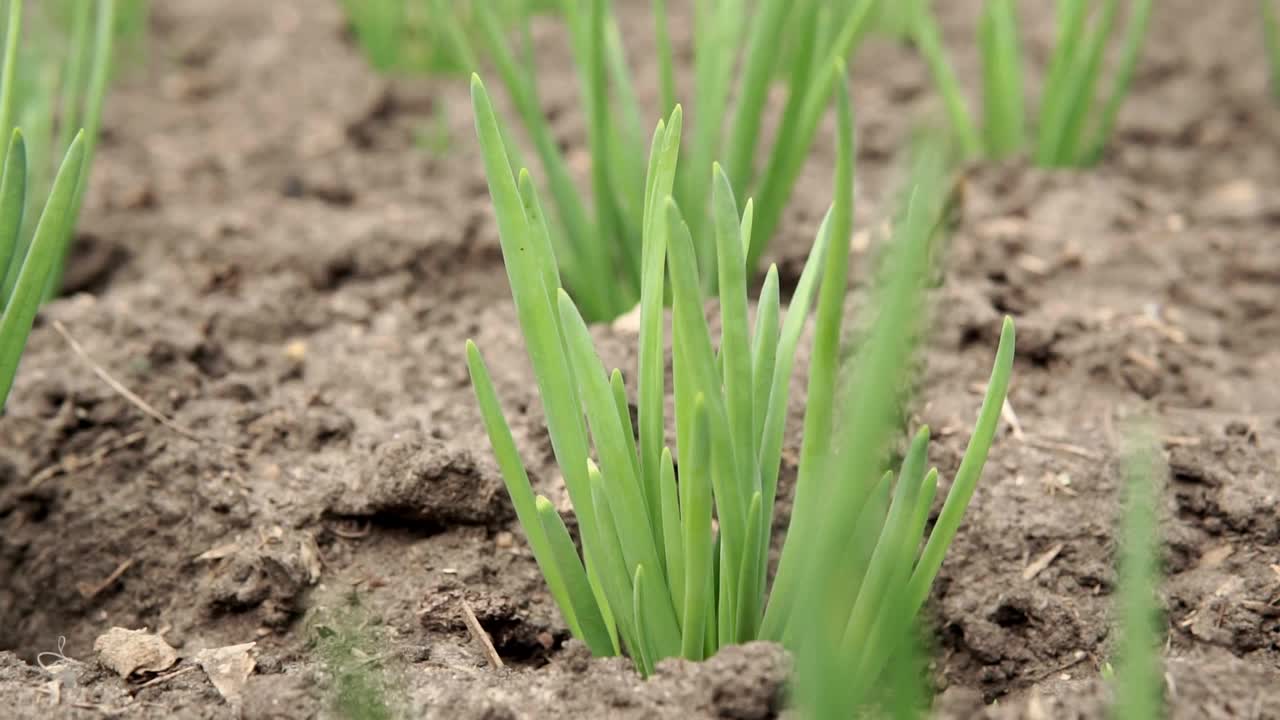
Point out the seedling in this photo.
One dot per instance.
(1073, 123)
(675, 564)
(897, 18)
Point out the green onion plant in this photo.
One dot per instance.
(1075, 119)
(31, 265)
(674, 563)
(736, 55)
(1138, 680)
(55, 75)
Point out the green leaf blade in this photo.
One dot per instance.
(13, 198)
(591, 625)
(24, 302)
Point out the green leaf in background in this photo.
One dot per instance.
(600, 244)
(1075, 119)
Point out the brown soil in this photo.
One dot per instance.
(267, 259)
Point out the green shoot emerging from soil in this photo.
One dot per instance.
(599, 249)
(55, 77)
(1271, 36)
(1138, 681)
(1074, 122)
(675, 564)
(352, 657)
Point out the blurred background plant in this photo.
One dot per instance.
(737, 57)
(1074, 120)
(1137, 680)
(418, 36)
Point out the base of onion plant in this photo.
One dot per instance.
(1071, 128)
(675, 564)
(30, 266)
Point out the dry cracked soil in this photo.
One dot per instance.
(270, 258)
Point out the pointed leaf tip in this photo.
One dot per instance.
(477, 89)
(676, 119)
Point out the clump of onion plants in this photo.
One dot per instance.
(1075, 118)
(674, 563)
(737, 54)
(55, 75)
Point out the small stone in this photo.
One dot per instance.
(134, 651)
(1239, 199)
(296, 350)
